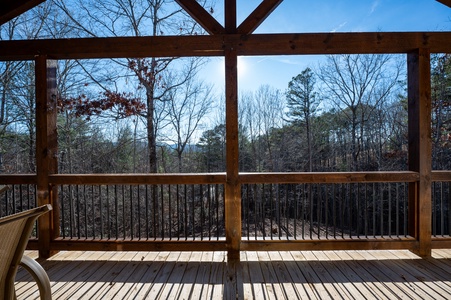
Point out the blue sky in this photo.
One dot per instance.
(352, 15)
(324, 16)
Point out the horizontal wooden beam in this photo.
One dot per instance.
(200, 178)
(113, 47)
(329, 177)
(441, 243)
(214, 45)
(330, 244)
(441, 175)
(343, 43)
(18, 179)
(134, 245)
(136, 179)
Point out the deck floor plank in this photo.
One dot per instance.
(200, 286)
(303, 289)
(134, 281)
(175, 280)
(82, 272)
(248, 292)
(116, 275)
(98, 282)
(282, 275)
(92, 278)
(259, 288)
(378, 289)
(431, 288)
(269, 275)
(333, 275)
(23, 277)
(423, 270)
(156, 277)
(392, 279)
(390, 272)
(189, 278)
(314, 273)
(260, 275)
(215, 288)
(348, 285)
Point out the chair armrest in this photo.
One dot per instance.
(39, 275)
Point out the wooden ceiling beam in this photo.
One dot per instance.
(343, 43)
(258, 16)
(13, 8)
(445, 2)
(230, 16)
(215, 45)
(198, 13)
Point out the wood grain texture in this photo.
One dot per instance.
(215, 45)
(259, 275)
(198, 13)
(263, 10)
(10, 9)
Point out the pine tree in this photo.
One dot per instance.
(302, 102)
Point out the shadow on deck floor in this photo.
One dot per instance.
(260, 275)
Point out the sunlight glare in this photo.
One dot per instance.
(242, 66)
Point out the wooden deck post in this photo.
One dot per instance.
(232, 189)
(46, 150)
(420, 148)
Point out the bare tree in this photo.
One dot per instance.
(441, 110)
(138, 18)
(17, 94)
(187, 107)
(260, 113)
(358, 85)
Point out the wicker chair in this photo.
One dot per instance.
(15, 231)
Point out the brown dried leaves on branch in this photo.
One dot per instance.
(121, 104)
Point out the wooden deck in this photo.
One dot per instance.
(260, 275)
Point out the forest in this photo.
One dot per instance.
(158, 115)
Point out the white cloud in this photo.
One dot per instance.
(339, 26)
(374, 6)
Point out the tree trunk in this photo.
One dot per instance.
(151, 138)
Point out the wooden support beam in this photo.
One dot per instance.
(13, 8)
(420, 147)
(214, 45)
(46, 143)
(230, 16)
(232, 188)
(52, 144)
(445, 2)
(42, 154)
(258, 16)
(202, 17)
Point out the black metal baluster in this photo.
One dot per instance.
(163, 216)
(78, 210)
(116, 209)
(170, 211)
(63, 214)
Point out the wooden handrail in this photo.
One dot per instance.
(218, 178)
(329, 177)
(134, 179)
